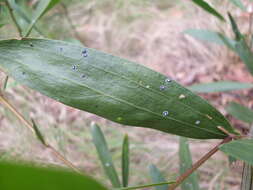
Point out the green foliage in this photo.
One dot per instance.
(104, 155)
(157, 177)
(211, 36)
(239, 4)
(38, 133)
(111, 87)
(220, 86)
(125, 161)
(240, 149)
(191, 183)
(240, 112)
(204, 5)
(23, 176)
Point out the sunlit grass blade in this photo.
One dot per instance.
(38, 133)
(157, 177)
(42, 7)
(125, 161)
(104, 155)
(220, 86)
(16, 176)
(204, 5)
(211, 36)
(240, 112)
(191, 183)
(146, 186)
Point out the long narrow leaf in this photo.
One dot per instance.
(240, 112)
(104, 155)
(239, 4)
(38, 133)
(125, 161)
(111, 87)
(204, 5)
(157, 177)
(238, 35)
(191, 183)
(23, 176)
(221, 86)
(240, 149)
(211, 36)
(41, 9)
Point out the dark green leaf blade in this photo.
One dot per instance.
(240, 112)
(191, 183)
(111, 87)
(125, 161)
(204, 5)
(240, 149)
(38, 133)
(238, 35)
(211, 36)
(220, 86)
(22, 176)
(157, 177)
(104, 155)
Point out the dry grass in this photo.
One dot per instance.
(148, 33)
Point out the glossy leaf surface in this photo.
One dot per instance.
(111, 87)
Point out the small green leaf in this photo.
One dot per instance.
(191, 183)
(220, 86)
(1, 25)
(211, 36)
(125, 161)
(111, 87)
(204, 5)
(240, 149)
(38, 133)
(240, 112)
(42, 7)
(5, 82)
(239, 4)
(23, 176)
(238, 35)
(157, 177)
(104, 155)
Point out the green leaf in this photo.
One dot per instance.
(220, 86)
(104, 155)
(145, 186)
(240, 149)
(1, 25)
(211, 36)
(125, 161)
(204, 5)
(191, 183)
(42, 7)
(238, 35)
(111, 87)
(157, 177)
(240, 112)
(239, 4)
(38, 133)
(23, 176)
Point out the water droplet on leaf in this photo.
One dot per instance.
(162, 87)
(74, 67)
(147, 86)
(83, 76)
(61, 49)
(165, 113)
(84, 53)
(31, 45)
(197, 122)
(167, 80)
(107, 164)
(23, 73)
(182, 96)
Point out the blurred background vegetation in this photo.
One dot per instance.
(149, 32)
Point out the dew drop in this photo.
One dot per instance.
(167, 80)
(197, 122)
(31, 45)
(84, 53)
(83, 76)
(23, 73)
(165, 113)
(182, 96)
(74, 67)
(107, 164)
(61, 49)
(147, 86)
(162, 87)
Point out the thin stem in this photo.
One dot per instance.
(250, 30)
(181, 178)
(144, 186)
(13, 18)
(30, 127)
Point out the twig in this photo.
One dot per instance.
(181, 178)
(13, 18)
(30, 127)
